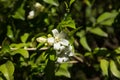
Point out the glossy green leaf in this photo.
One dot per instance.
(1, 78)
(68, 22)
(10, 32)
(104, 64)
(20, 13)
(41, 58)
(114, 69)
(87, 2)
(63, 70)
(52, 2)
(81, 33)
(7, 69)
(117, 50)
(106, 18)
(71, 2)
(98, 31)
(24, 37)
(84, 43)
(23, 52)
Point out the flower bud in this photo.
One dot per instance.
(31, 14)
(41, 39)
(39, 7)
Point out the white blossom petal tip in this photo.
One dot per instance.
(62, 59)
(50, 41)
(31, 14)
(64, 42)
(56, 46)
(55, 32)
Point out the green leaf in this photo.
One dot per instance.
(63, 70)
(20, 13)
(68, 22)
(41, 58)
(1, 78)
(10, 32)
(23, 52)
(113, 69)
(104, 64)
(98, 31)
(106, 18)
(7, 69)
(81, 33)
(52, 2)
(117, 50)
(84, 43)
(24, 37)
(71, 2)
(87, 2)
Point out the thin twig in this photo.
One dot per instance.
(29, 49)
(78, 59)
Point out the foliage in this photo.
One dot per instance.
(59, 39)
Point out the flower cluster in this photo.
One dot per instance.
(60, 45)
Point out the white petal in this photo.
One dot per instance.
(62, 59)
(70, 48)
(62, 35)
(64, 42)
(55, 32)
(51, 40)
(56, 46)
(62, 48)
(31, 14)
(71, 54)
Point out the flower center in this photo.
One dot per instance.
(57, 39)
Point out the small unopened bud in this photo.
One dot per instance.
(41, 39)
(39, 7)
(31, 14)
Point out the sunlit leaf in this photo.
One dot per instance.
(106, 18)
(10, 32)
(98, 31)
(1, 78)
(81, 33)
(71, 2)
(117, 50)
(52, 2)
(68, 22)
(63, 71)
(114, 69)
(23, 52)
(104, 64)
(24, 37)
(20, 13)
(41, 58)
(84, 43)
(87, 2)
(7, 69)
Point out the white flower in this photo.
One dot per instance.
(31, 14)
(50, 41)
(59, 39)
(56, 46)
(62, 59)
